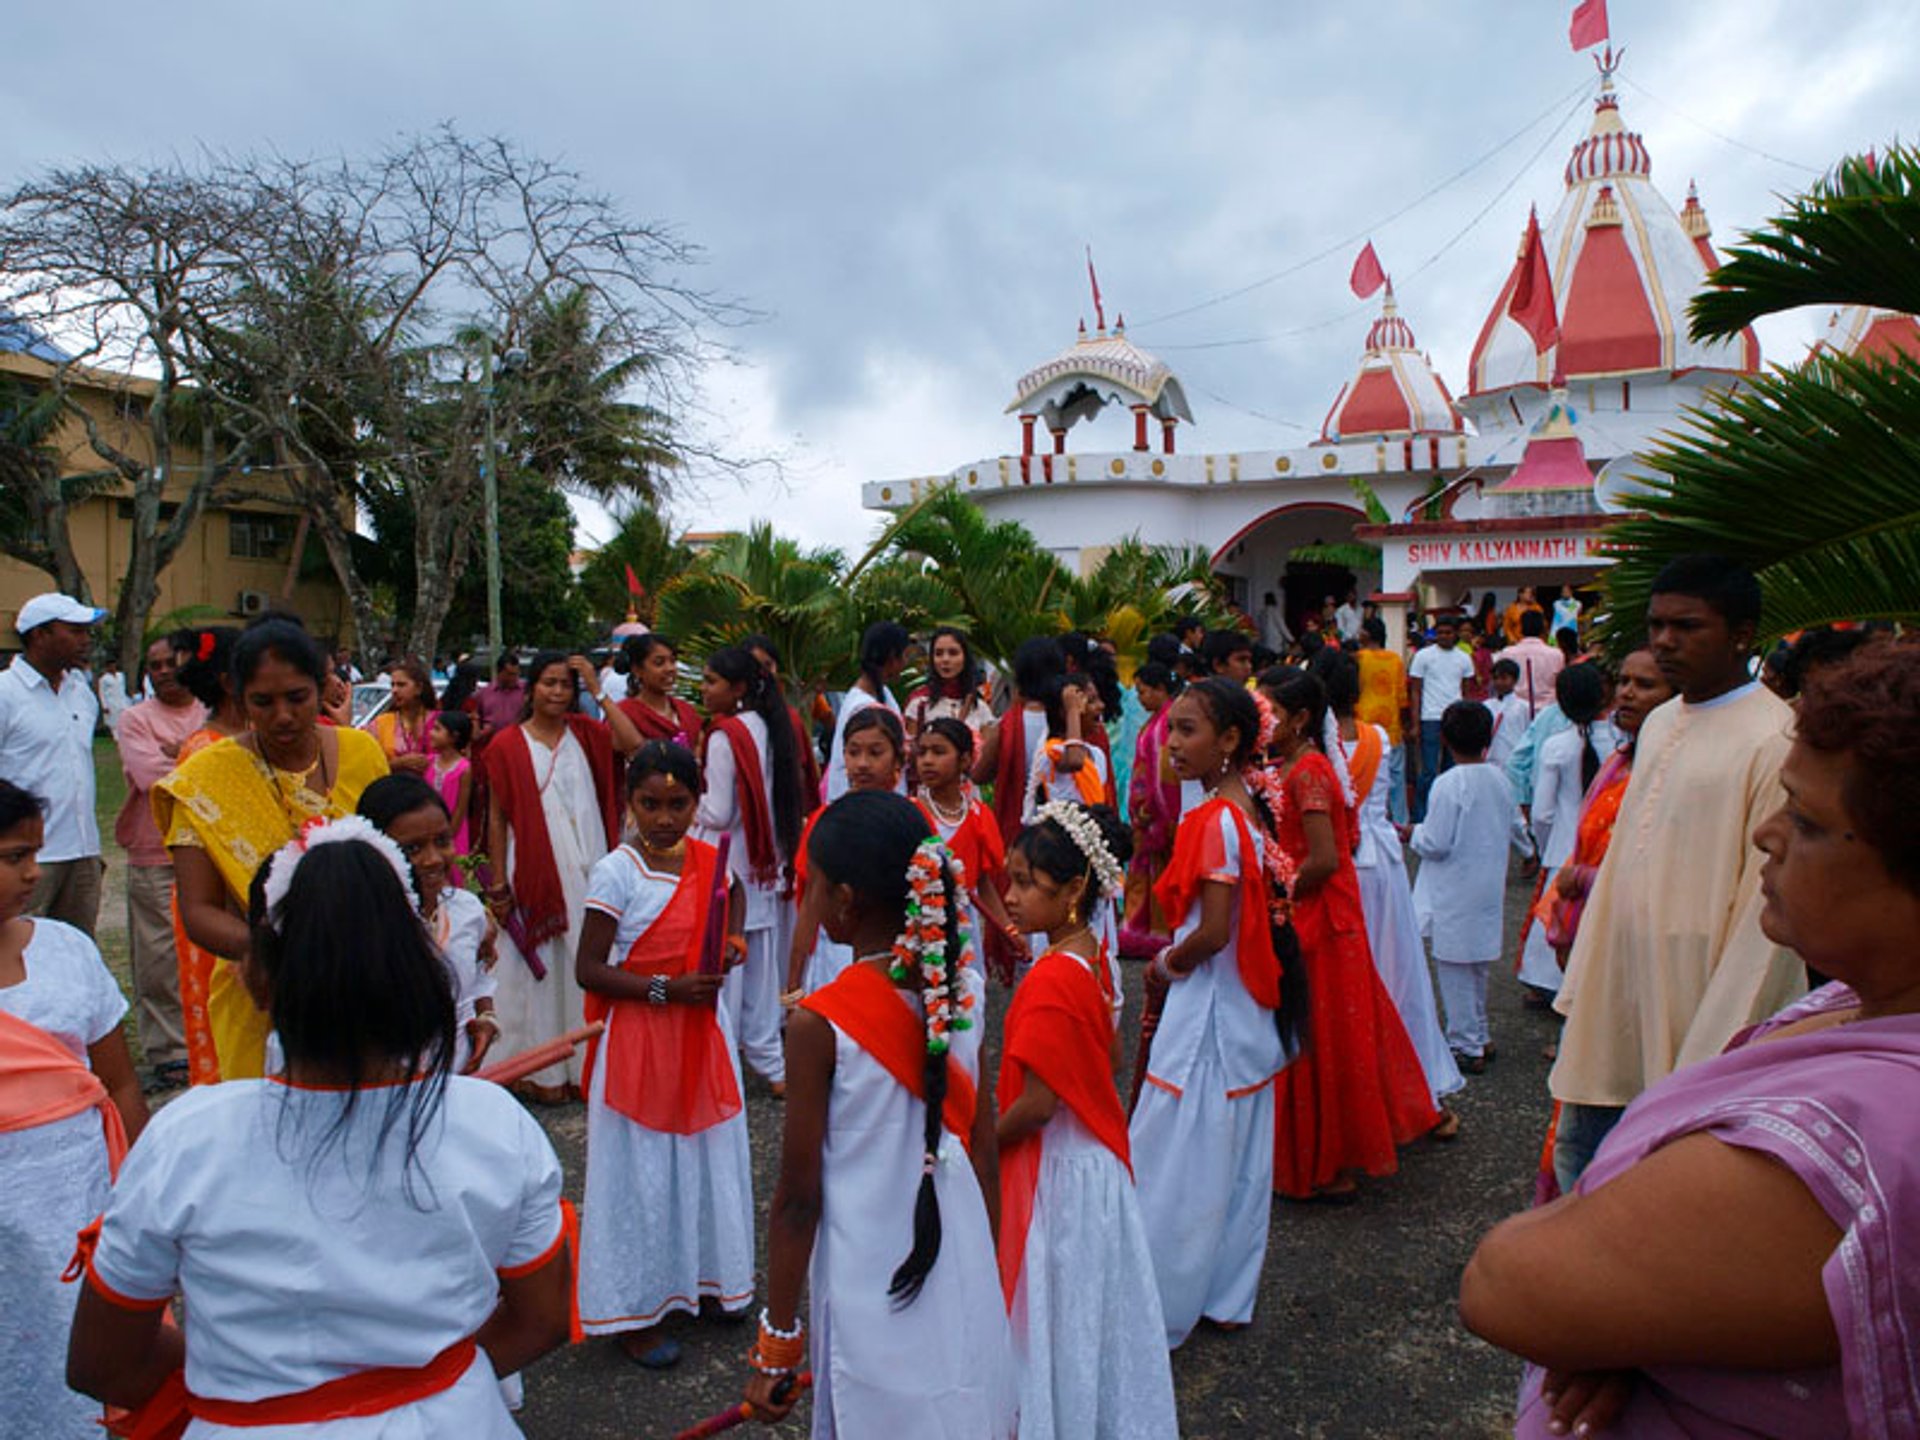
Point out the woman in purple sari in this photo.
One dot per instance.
(1740, 1257)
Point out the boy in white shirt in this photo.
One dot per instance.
(1510, 714)
(1462, 844)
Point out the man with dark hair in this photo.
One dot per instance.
(1188, 630)
(1670, 962)
(1383, 702)
(1436, 679)
(1538, 662)
(500, 704)
(1272, 620)
(1228, 654)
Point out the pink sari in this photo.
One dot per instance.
(1836, 1108)
(1153, 805)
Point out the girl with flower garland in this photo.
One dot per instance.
(668, 1209)
(1074, 1263)
(883, 1110)
(942, 756)
(1357, 1092)
(1202, 1132)
(873, 748)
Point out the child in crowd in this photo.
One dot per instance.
(1066, 765)
(1510, 711)
(1202, 1132)
(70, 1104)
(1079, 1282)
(367, 1223)
(451, 774)
(873, 747)
(943, 756)
(668, 1217)
(883, 1110)
(1462, 844)
(1153, 812)
(412, 814)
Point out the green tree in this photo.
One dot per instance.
(1809, 475)
(645, 542)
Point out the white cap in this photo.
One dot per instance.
(55, 606)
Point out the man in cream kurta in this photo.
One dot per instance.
(1670, 962)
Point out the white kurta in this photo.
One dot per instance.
(53, 1180)
(752, 992)
(666, 1219)
(1393, 933)
(1202, 1133)
(459, 929)
(302, 1263)
(1557, 797)
(534, 1011)
(851, 704)
(942, 1367)
(1462, 844)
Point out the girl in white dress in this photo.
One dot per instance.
(63, 1067)
(883, 655)
(413, 814)
(878, 1209)
(553, 810)
(668, 1216)
(1202, 1132)
(875, 749)
(752, 793)
(366, 1231)
(1074, 1264)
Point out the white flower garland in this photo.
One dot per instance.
(1084, 831)
(286, 860)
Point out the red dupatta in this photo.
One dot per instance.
(1200, 856)
(667, 1065)
(1365, 769)
(41, 1082)
(976, 843)
(864, 1005)
(682, 729)
(750, 797)
(1060, 1028)
(539, 903)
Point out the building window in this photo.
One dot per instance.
(258, 537)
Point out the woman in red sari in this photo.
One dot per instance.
(1357, 1092)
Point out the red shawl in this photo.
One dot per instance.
(1199, 856)
(683, 729)
(537, 897)
(1367, 750)
(863, 1004)
(41, 1082)
(975, 844)
(1060, 1028)
(1010, 772)
(809, 764)
(667, 1065)
(750, 798)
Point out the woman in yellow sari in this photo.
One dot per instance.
(226, 809)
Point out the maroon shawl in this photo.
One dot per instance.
(539, 903)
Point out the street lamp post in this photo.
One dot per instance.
(491, 481)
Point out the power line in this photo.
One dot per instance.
(1721, 135)
(1248, 410)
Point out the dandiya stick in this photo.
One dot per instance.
(1155, 1002)
(713, 942)
(739, 1414)
(538, 1057)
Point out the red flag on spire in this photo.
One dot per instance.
(1367, 276)
(1532, 303)
(1589, 25)
(634, 587)
(1099, 310)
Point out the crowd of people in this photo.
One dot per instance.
(578, 884)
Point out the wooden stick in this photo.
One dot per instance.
(538, 1057)
(739, 1414)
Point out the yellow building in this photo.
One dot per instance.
(240, 559)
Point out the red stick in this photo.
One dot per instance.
(713, 942)
(739, 1414)
(538, 1057)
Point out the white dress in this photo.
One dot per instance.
(942, 1367)
(1557, 798)
(53, 1180)
(1202, 1133)
(459, 927)
(1087, 1329)
(1393, 933)
(752, 992)
(665, 1219)
(534, 1011)
(301, 1263)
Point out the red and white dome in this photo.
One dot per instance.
(1862, 330)
(1100, 369)
(1624, 267)
(1395, 393)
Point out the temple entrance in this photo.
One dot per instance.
(1306, 585)
(1260, 558)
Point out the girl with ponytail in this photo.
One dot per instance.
(876, 1204)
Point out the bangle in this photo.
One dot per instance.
(790, 1000)
(777, 1352)
(737, 945)
(485, 1017)
(657, 990)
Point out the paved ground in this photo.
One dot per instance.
(1355, 1334)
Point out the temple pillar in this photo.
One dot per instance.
(1060, 442)
(1140, 427)
(1166, 433)
(1026, 433)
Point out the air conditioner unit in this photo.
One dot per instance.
(252, 602)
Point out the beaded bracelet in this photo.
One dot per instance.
(657, 990)
(778, 1352)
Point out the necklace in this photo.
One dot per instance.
(670, 852)
(886, 954)
(1065, 940)
(946, 816)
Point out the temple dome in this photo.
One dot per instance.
(1096, 370)
(1624, 267)
(1395, 392)
(1863, 330)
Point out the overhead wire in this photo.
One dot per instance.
(1719, 135)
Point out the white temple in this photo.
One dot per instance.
(1493, 489)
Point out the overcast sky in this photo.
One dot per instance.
(904, 190)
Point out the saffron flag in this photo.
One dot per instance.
(1532, 303)
(634, 587)
(1367, 274)
(1589, 25)
(1099, 310)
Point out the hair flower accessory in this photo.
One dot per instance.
(1108, 878)
(922, 943)
(1269, 722)
(203, 651)
(286, 860)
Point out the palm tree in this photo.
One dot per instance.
(644, 543)
(1808, 475)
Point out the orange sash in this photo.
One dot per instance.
(667, 1065)
(1087, 780)
(1197, 854)
(1059, 1027)
(41, 1082)
(1365, 768)
(864, 1004)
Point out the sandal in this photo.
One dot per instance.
(663, 1356)
(1449, 1126)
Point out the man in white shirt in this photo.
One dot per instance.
(1434, 681)
(1539, 663)
(112, 690)
(47, 714)
(1347, 620)
(1274, 633)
